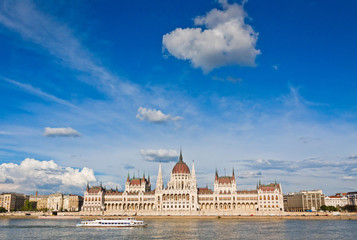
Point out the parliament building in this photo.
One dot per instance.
(182, 197)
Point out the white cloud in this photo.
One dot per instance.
(156, 116)
(61, 132)
(45, 176)
(224, 39)
(348, 177)
(250, 174)
(275, 67)
(161, 155)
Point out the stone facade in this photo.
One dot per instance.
(12, 201)
(338, 200)
(60, 202)
(55, 202)
(352, 198)
(182, 197)
(40, 200)
(304, 200)
(75, 203)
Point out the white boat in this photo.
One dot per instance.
(128, 222)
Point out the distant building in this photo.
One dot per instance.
(338, 200)
(270, 198)
(304, 200)
(182, 197)
(61, 202)
(12, 201)
(55, 202)
(40, 200)
(352, 198)
(75, 203)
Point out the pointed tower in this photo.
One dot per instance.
(159, 181)
(181, 158)
(193, 176)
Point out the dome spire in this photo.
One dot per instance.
(181, 158)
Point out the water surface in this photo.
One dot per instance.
(183, 229)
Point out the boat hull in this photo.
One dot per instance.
(134, 226)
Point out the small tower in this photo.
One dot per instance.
(159, 181)
(193, 176)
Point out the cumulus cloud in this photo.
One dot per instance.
(348, 178)
(161, 155)
(156, 116)
(46, 176)
(61, 132)
(250, 174)
(224, 39)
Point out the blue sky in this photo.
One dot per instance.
(90, 90)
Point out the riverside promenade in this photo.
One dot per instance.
(286, 216)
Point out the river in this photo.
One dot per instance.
(183, 229)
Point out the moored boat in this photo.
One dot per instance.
(128, 222)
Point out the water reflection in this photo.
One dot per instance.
(183, 229)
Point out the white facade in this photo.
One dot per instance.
(55, 202)
(336, 201)
(182, 197)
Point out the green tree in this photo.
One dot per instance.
(29, 206)
(324, 208)
(350, 208)
(2, 210)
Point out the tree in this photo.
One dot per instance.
(2, 210)
(29, 206)
(324, 208)
(350, 208)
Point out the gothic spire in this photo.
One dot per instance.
(193, 174)
(159, 182)
(181, 158)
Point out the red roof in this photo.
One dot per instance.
(204, 191)
(334, 196)
(246, 191)
(225, 180)
(135, 181)
(181, 167)
(94, 189)
(113, 192)
(267, 189)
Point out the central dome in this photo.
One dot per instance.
(180, 166)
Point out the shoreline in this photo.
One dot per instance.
(78, 217)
